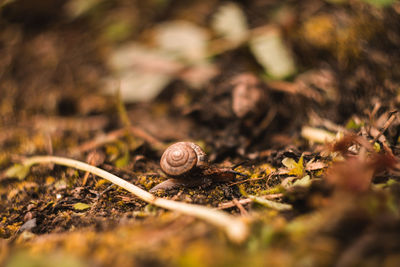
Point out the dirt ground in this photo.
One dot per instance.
(295, 104)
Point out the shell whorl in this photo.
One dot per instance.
(181, 158)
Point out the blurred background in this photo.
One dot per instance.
(70, 58)
(247, 80)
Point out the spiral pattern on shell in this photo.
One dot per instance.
(181, 158)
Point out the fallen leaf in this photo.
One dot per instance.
(139, 73)
(81, 206)
(314, 166)
(77, 8)
(18, 170)
(271, 52)
(304, 182)
(317, 135)
(271, 204)
(380, 3)
(230, 23)
(295, 168)
(182, 39)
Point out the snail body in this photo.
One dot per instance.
(187, 165)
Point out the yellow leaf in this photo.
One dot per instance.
(18, 170)
(295, 168)
(303, 182)
(81, 206)
(271, 204)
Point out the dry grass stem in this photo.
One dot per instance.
(235, 228)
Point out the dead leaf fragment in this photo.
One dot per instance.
(81, 206)
(182, 39)
(352, 175)
(314, 166)
(271, 52)
(17, 170)
(317, 135)
(230, 23)
(140, 73)
(271, 204)
(303, 182)
(246, 95)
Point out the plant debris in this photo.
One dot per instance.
(300, 98)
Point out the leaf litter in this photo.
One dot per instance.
(310, 117)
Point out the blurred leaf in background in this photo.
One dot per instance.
(230, 23)
(271, 52)
(380, 3)
(24, 259)
(182, 39)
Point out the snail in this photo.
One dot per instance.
(187, 165)
(183, 158)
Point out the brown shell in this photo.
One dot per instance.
(181, 158)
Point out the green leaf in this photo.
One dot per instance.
(242, 190)
(377, 147)
(118, 30)
(289, 163)
(391, 181)
(81, 206)
(304, 182)
(273, 190)
(123, 161)
(18, 170)
(380, 3)
(295, 168)
(271, 204)
(25, 259)
(353, 125)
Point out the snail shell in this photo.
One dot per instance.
(182, 158)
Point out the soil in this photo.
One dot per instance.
(322, 141)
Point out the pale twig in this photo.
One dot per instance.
(115, 135)
(235, 228)
(242, 210)
(245, 201)
(386, 126)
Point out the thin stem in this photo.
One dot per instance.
(235, 228)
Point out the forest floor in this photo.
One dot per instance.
(299, 98)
